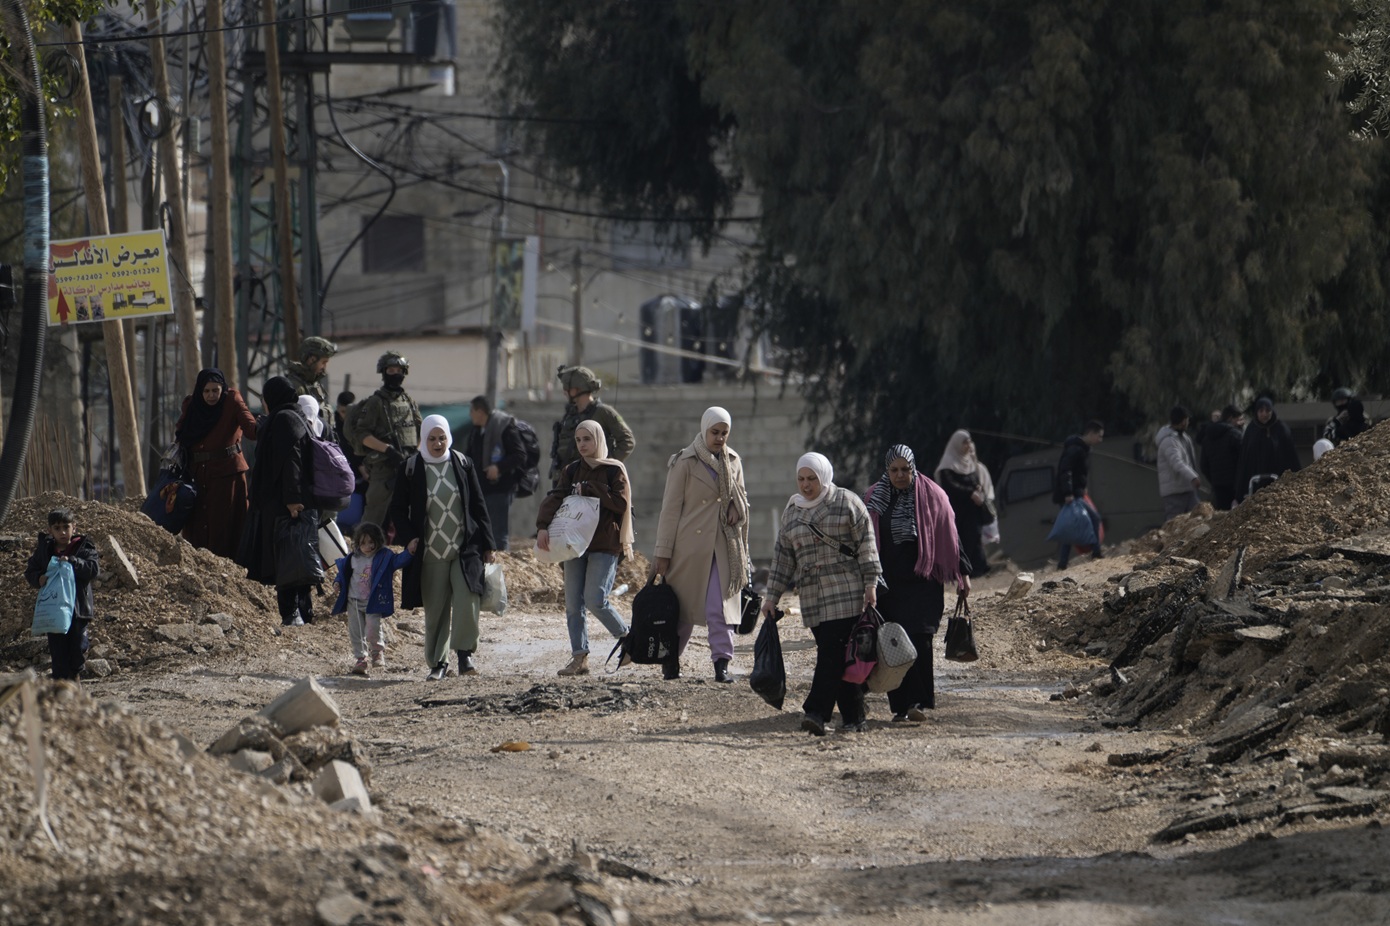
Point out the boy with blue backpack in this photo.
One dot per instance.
(75, 552)
(366, 593)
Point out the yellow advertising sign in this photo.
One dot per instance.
(108, 277)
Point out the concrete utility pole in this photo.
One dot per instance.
(284, 220)
(120, 209)
(577, 293)
(221, 199)
(185, 301)
(123, 401)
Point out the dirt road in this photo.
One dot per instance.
(705, 805)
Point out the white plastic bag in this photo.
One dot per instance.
(332, 546)
(494, 589)
(990, 532)
(571, 529)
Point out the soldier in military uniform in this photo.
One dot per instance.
(580, 384)
(309, 375)
(387, 428)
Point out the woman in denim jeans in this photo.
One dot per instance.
(589, 577)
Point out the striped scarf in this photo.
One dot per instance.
(900, 502)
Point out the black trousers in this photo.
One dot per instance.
(919, 684)
(828, 688)
(292, 598)
(69, 650)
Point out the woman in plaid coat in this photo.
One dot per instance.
(820, 520)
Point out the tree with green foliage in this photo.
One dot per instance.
(1002, 214)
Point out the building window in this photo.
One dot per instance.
(394, 244)
(643, 245)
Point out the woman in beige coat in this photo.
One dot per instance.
(702, 539)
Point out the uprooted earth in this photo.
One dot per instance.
(1194, 729)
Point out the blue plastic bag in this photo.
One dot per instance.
(1073, 525)
(57, 599)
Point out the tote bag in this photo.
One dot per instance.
(57, 599)
(571, 529)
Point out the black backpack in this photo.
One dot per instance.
(529, 476)
(656, 618)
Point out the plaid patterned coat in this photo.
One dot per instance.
(831, 584)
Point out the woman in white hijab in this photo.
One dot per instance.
(826, 546)
(438, 512)
(589, 577)
(967, 484)
(702, 539)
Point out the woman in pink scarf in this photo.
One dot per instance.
(918, 548)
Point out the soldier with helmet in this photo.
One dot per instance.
(309, 374)
(386, 427)
(580, 384)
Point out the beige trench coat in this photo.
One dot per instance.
(688, 532)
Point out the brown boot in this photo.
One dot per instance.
(579, 665)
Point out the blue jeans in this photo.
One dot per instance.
(588, 579)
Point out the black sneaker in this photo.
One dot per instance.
(858, 726)
(813, 725)
(437, 673)
(670, 670)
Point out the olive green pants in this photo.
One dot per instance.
(381, 483)
(451, 610)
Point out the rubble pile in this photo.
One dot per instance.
(1260, 633)
(152, 828)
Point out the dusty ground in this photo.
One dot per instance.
(1236, 774)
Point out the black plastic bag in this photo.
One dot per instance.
(297, 560)
(769, 675)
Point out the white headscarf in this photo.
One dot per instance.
(818, 464)
(735, 535)
(601, 458)
(429, 424)
(712, 416)
(312, 410)
(956, 459)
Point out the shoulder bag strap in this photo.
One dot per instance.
(844, 548)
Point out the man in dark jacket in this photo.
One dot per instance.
(1221, 456)
(1073, 474)
(1266, 451)
(1349, 420)
(68, 650)
(495, 447)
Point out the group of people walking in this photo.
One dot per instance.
(912, 532)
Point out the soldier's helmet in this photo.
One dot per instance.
(392, 359)
(316, 347)
(1341, 394)
(581, 378)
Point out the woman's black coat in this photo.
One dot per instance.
(410, 516)
(281, 476)
(1266, 448)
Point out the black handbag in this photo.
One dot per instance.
(960, 634)
(752, 607)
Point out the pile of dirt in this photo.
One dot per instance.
(149, 828)
(189, 602)
(1260, 634)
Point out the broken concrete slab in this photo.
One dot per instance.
(1021, 586)
(251, 761)
(338, 781)
(1271, 635)
(120, 565)
(304, 706)
(207, 635)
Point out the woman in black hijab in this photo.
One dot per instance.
(209, 433)
(280, 485)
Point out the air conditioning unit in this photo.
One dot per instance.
(368, 20)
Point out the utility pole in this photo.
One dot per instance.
(185, 302)
(221, 198)
(132, 461)
(120, 206)
(284, 221)
(577, 292)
